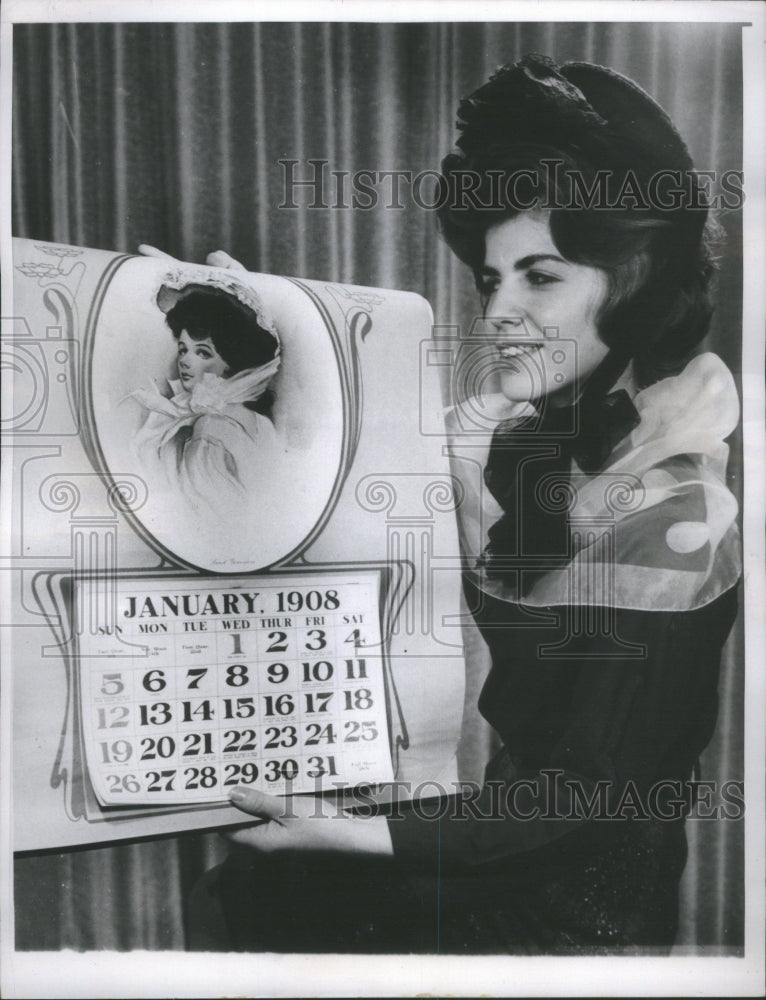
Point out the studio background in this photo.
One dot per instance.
(171, 135)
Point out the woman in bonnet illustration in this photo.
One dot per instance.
(601, 560)
(212, 437)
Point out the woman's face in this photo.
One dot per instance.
(541, 312)
(196, 357)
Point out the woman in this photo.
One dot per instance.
(601, 558)
(211, 439)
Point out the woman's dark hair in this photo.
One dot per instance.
(233, 329)
(526, 134)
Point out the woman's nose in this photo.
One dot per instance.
(505, 312)
(507, 323)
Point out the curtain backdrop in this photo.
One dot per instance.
(172, 135)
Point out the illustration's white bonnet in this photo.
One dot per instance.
(179, 283)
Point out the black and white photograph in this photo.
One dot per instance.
(383, 499)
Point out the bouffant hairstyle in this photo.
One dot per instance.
(533, 128)
(233, 329)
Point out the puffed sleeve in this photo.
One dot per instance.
(209, 462)
(597, 731)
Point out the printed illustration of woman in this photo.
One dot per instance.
(211, 439)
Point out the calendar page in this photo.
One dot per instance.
(174, 632)
(194, 686)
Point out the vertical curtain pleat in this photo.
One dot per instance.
(329, 88)
(120, 137)
(171, 134)
(261, 216)
(185, 72)
(344, 100)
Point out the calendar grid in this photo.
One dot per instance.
(261, 682)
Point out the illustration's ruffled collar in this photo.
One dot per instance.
(210, 394)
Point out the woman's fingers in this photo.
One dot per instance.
(219, 258)
(257, 803)
(305, 823)
(150, 251)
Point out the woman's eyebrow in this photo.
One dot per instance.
(535, 258)
(523, 263)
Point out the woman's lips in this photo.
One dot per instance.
(517, 358)
(516, 350)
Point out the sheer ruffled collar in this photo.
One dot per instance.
(210, 394)
(653, 528)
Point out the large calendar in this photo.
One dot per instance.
(189, 690)
(181, 630)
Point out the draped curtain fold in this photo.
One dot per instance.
(172, 134)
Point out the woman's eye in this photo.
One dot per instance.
(538, 278)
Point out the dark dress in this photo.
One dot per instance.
(540, 876)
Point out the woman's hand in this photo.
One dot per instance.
(149, 251)
(218, 258)
(306, 823)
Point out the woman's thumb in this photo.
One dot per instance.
(257, 803)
